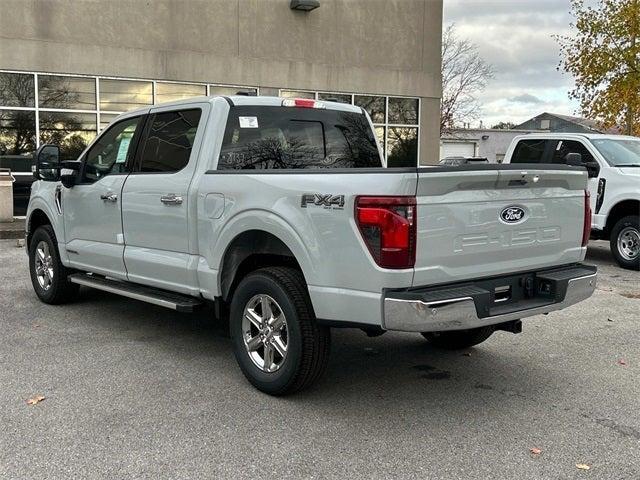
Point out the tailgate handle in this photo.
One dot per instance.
(502, 294)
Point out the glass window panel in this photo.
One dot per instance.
(17, 90)
(106, 119)
(380, 136)
(111, 151)
(565, 147)
(403, 111)
(529, 151)
(297, 138)
(170, 139)
(220, 90)
(296, 94)
(17, 139)
(71, 131)
(335, 97)
(402, 147)
(75, 93)
(124, 95)
(168, 92)
(375, 106)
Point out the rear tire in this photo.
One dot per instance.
(625, 242)
(48, 276)
(459, 339)
(276, 341)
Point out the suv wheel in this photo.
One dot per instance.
(459, 339)
(625, 242)
(48, 275)
(278, 344)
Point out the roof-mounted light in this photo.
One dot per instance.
(302, 103)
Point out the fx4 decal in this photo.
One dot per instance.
(334, 202)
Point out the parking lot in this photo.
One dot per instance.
(134, 390)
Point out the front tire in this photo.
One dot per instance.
(625, 242)
(459, 339)
(276, 341)
(48, 275)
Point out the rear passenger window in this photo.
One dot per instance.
(169, 142)
(529, 151)
(260, 138)
(565, 147)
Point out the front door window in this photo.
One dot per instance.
(111, 154)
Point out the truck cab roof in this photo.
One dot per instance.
(567, 135)
(243, 100)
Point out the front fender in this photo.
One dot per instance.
(43, 199)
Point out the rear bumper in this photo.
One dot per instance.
(487, 301)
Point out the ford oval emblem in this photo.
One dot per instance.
(512, 214)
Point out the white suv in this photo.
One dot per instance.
(613, 163)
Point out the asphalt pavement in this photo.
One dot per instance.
(137, 391)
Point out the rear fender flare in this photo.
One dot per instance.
(271, 223)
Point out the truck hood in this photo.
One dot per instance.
(633, 171)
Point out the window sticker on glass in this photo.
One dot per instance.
(123, 149)
(248, 122)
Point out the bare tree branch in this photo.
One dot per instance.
(464, 74)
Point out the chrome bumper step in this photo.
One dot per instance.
(156, 296)
(487, 301)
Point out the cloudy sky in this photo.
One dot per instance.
(515, 36)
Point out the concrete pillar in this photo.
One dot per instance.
(6, 195)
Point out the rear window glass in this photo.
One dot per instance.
(260, 138)
(169, 142)
(529, 151)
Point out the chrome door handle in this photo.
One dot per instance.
(109, 197)
(171, 199)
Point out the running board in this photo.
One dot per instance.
(174, 301)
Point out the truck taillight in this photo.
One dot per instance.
(302, 103)
(388, 227)
(586, 227)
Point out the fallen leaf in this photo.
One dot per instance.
(609, 319)
(35, 399)
(37, 326)
(535, 451)
(582, 466)
(631, 294)
(466, 354)
(622, 361)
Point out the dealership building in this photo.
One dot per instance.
(68, 68)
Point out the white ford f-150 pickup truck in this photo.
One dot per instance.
(281, 211)
(613, 165)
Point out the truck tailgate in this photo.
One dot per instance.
(488, 220)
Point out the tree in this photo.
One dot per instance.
(604, 58)
(464, 74)
(504, 126)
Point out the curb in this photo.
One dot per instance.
(11, 234)
(12, 230)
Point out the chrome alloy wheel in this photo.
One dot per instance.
(629, 243)
(265, 334)
(44, 265)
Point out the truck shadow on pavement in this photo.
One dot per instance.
(399, 368)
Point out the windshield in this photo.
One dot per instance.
(622, 152)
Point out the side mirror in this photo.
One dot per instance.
(69, 172)
(593, 168)
(47, 163)
(574, 159)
